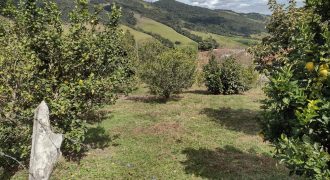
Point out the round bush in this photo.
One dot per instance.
(170, 72)
(212, 76)
(227, 78)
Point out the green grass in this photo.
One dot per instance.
(150, 25)
(139, 36)
(193, 136)
(228, 41)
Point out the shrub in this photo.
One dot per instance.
(208, 44)
(149, 50)
(232, 76)
(75, 72)
(212, 76)
(295, 58)
(227, 78)
(170, 72)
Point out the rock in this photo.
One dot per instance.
(45, 145)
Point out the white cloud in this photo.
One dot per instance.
(246, 6)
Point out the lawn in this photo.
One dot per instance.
(150, 25)
(193, 136)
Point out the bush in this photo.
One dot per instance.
(232, 76)
(295, 58)
(169, 72)
(74, 72)
(227, 78)
(208, 44)
(212, 76)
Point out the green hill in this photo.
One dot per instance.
(139, 36)
(227, 41)
(152, 26)
(179, 15)
(172, 22)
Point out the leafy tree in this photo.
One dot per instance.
(212, 76)
(233, 77)
(227, 78)
(75, 72)
(169, 72)
(208, 44)
(295, 57)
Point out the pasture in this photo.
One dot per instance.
(192, 136)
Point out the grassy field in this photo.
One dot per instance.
(227, 41)
(150, 25)
(139, 36)
(193, 136)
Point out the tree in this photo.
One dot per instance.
(169, 72)
(228, 77)
(75, 71)
(212, 76)
(208, 44)
(295, 57)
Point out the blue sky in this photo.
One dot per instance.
(259, 6)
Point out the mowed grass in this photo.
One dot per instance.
(228, 41)
(150, 25)
(138, 36)
(193, 136)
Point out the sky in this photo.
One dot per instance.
(245, 6)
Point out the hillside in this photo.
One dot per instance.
(227, 41)
(172, 22)
(179, 15)
(149, 25)
(139, 36)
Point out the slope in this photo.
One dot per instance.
(179, 15)
(149, 25)
(227, 41)
(139, 36)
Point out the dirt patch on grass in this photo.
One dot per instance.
(160, 128)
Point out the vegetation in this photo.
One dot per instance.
(169, 72)
(212, 76)
(295, 58)
(79, 60)
(208, 44)
(228, 77)
(74, 72)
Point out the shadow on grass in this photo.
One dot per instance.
(229, 161)
(97, 138)
(153, 99)
(242, 120)
(96, 116)
(198, 91)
